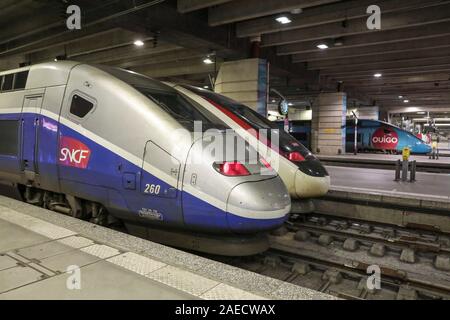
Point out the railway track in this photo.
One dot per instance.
(333, 255)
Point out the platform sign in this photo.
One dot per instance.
(406, 153)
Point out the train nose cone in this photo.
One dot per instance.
(258, 206)
(307, 186)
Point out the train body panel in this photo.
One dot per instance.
(301, 183)
(102, 137)
(381, 136)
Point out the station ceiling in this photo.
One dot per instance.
(411, 51)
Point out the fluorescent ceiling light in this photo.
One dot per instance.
(208, 60)
(377, 75)
(139, 43)
(421, 112)
(322, 46)
(406, 101)
(400, 97)
(283, 20)
(206, 87)
(290, 104)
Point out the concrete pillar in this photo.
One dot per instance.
(328, 123)
(255, 48)
(245, 81)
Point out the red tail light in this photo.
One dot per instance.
(232, 169)
(295, 157)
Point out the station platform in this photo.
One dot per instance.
(428, 186)
(373, 195)
(385, 161)
(46, 255)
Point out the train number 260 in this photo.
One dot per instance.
(152, 188)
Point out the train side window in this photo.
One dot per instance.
(80, 107)
(9, 131)
(8, 82)
(20, 80)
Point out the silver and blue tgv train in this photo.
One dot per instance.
(98, 143)
(301, 172)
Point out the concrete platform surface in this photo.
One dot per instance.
(429, 186)
(444, 160)
(46, 255)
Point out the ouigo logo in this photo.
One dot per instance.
(73, 153)
(385, 138)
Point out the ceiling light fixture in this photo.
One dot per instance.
(208, 60)
(406, 101)
(377, 75)
(400, 97)
(138, 43)
(322, 46)
(283, 20)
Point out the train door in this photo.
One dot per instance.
(159, 187)
(31, 111)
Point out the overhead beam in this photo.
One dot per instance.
(126, 53)
(326, 14)
(243, 10)
(393, 20)
(374, 38)
(388, 74)
(415, 95)
(399, 47)
(410, 64)
(160, 57)
(185, 6)
(403, 109)
(385, 58)
(176, 69)
(441, 77)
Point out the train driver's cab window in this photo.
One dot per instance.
(20, 80)
(8, 82)
(80, 107)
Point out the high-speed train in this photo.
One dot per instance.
(301, 171)
(381, 136)
(106, 145)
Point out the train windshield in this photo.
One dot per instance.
(287, 144)
(180, 107)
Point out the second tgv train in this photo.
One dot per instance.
(99, 143)
(301, 171)
(373, 135)
(376, 135)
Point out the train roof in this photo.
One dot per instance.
(45, 74)
(57, 72)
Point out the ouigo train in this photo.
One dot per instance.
(375, 135)
(99, 143)
(302, 173)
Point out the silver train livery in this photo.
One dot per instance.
(98, 143)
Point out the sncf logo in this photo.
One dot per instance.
(73, 153)
(385, 138)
